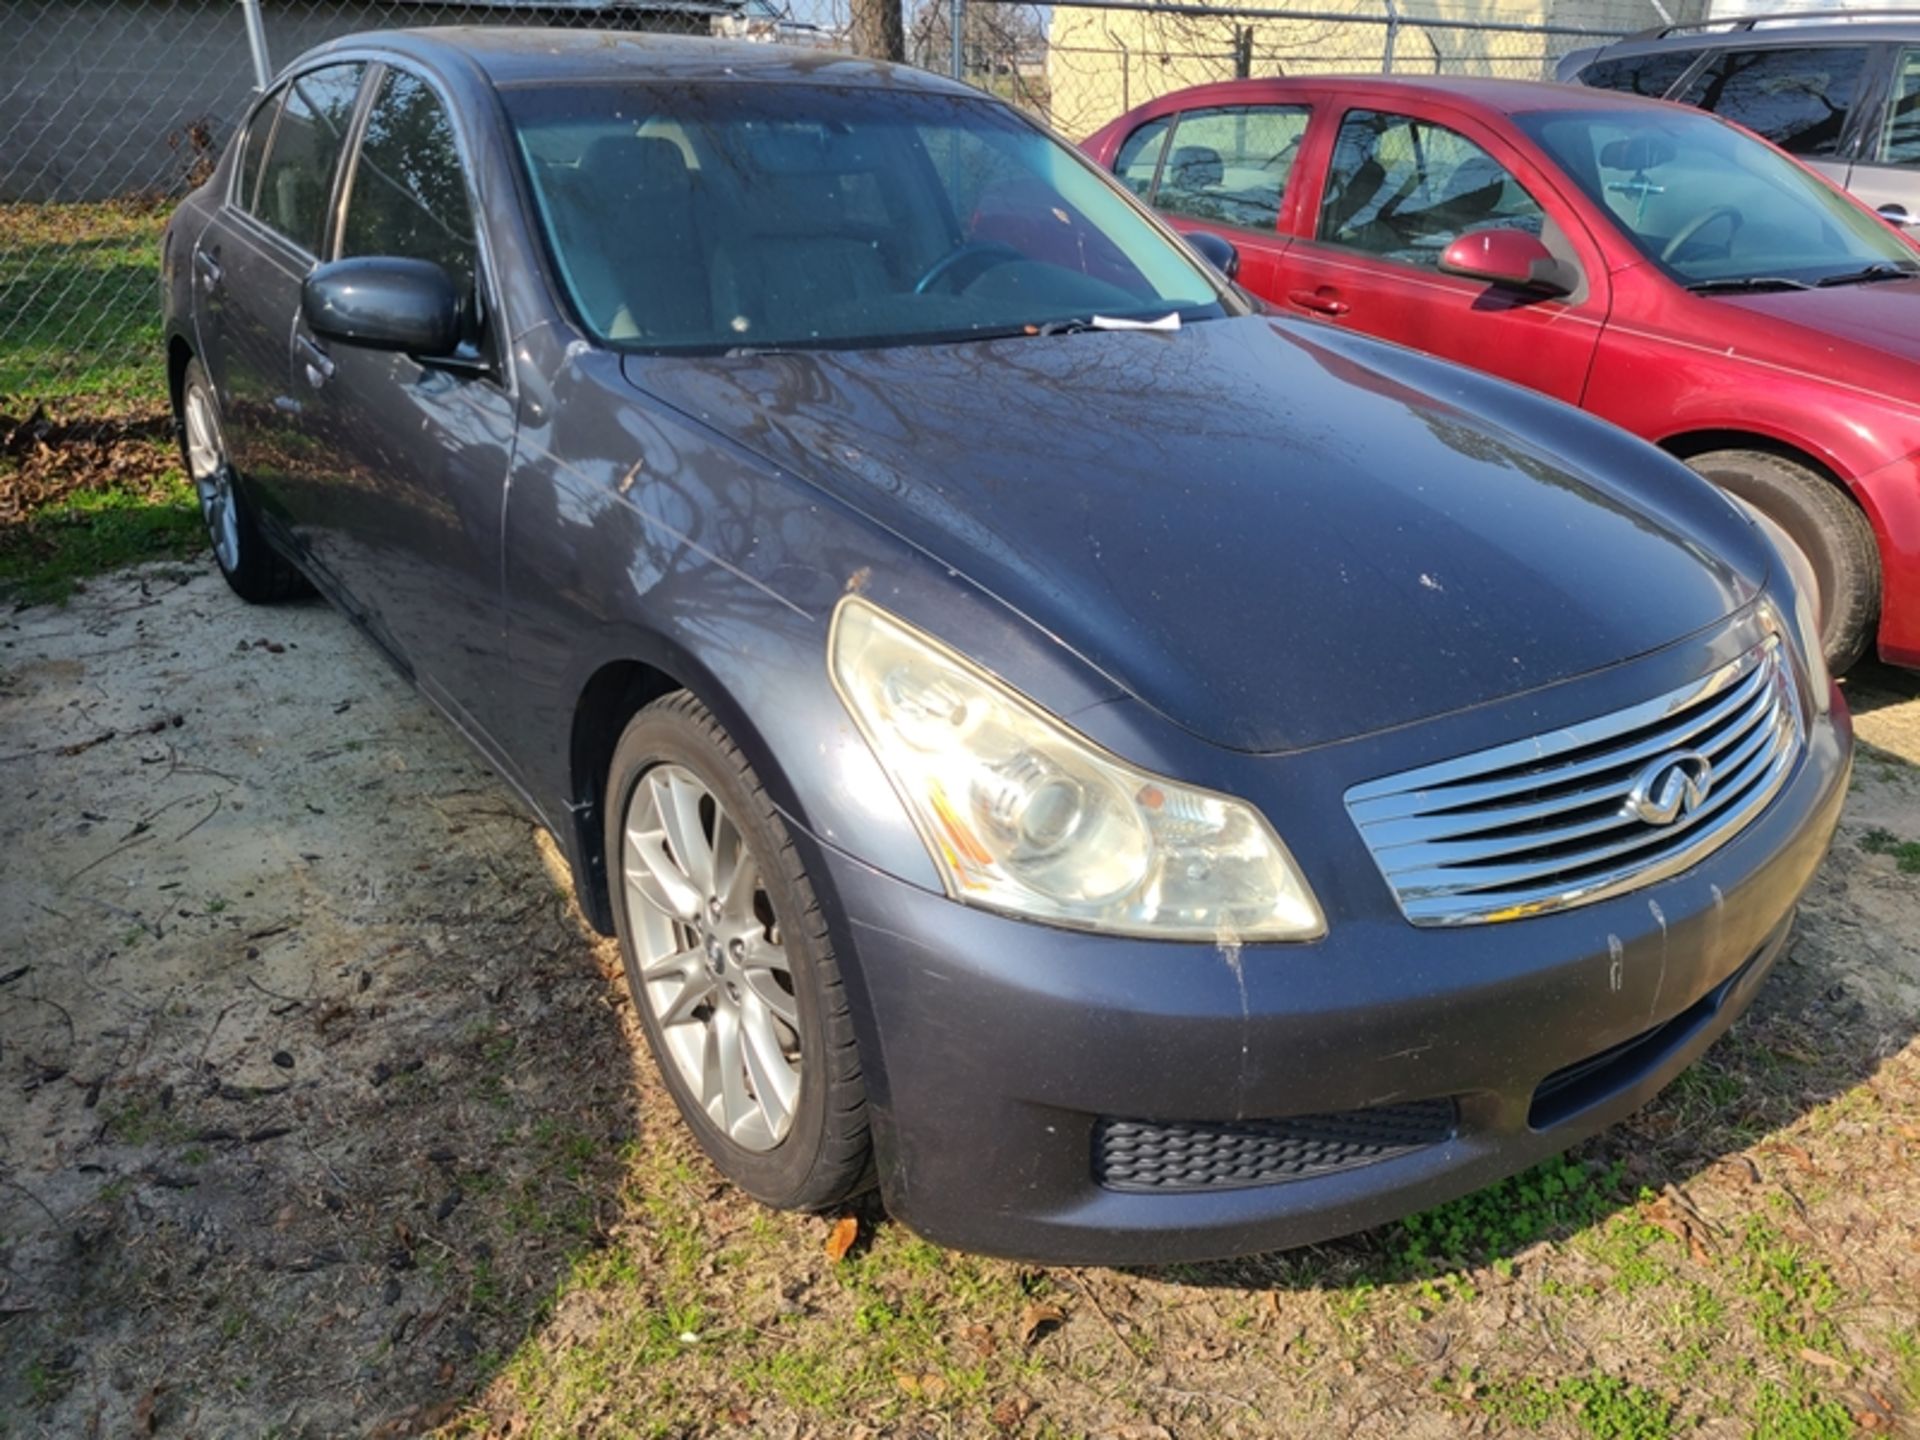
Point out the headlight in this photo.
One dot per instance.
(1803, 588)
(1024, 815)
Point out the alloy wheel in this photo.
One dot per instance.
(710, 962)
(212, 478)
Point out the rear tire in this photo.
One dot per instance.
(258, 573)
(729, 964)
(1829, 529)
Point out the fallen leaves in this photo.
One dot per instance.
(1012, 1411)
(840, 1239)
(1674, 1213)
(1038, 1319)
(49, 459)
(925, 1386)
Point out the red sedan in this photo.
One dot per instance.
(1649, 263)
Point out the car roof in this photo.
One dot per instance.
(513, 55)
(1789, 31)
(1507, 97)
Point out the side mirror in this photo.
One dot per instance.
(1218, 253)
(1512, 258)
(384, 303)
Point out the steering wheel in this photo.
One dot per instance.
(1700, 222)
(977, 256)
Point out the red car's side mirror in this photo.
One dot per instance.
(1512, 258)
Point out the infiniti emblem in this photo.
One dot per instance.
(1670, 787)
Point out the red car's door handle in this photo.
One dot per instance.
(1324, 301)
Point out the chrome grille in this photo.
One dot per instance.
(1574, 816)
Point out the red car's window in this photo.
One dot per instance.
(1139, 158)
(1404, 189)
(1230, 166)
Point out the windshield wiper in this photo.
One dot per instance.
(1747, 282)
(1879, 270)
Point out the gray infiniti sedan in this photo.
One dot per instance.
(1133, 777)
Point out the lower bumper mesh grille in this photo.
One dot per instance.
(1142, 1155)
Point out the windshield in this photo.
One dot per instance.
(746, 216)
(1715, 208)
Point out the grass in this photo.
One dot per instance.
(44, 558)
(101, 488)
(1602, 1407)
(80, 302)
(1905, 853)
(1557, 1194)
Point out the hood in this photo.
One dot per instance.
(1275, 536)
(1883, 316)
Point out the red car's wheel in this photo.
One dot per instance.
(1827, 526)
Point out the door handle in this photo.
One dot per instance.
(1324, 301)
(1897, 213)
(209, 268)
(319, 366)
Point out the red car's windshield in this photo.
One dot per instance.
(1716, 208)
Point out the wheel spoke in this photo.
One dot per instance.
(735, 1103)
(774, 1082)
(731, 861)
(676, 797)
(763, 983)
(695, 986)
(653, 874)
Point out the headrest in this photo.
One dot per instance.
(633, 163)
(1197, 167)
(1472, 176)
(1637, 152)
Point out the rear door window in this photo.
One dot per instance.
(254, 150)
(1797, 98)
(297, 181)
(1900, 136)
(1230, 166)
(1653, 74)
(1404, 189)
(1139, 157)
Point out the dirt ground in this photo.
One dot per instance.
(322, 1113)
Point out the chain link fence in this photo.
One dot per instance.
(1080, 64)
(110, 110)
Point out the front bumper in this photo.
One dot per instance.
(994, 1048)
(1892, 498)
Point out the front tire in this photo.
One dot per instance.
(729, 964)
(1831, 532)
(258, 573)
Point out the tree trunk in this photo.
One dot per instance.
(877, 30)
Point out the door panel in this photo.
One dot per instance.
(249, 310)
(406, 460)
(1399, 187)
(212, 288)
